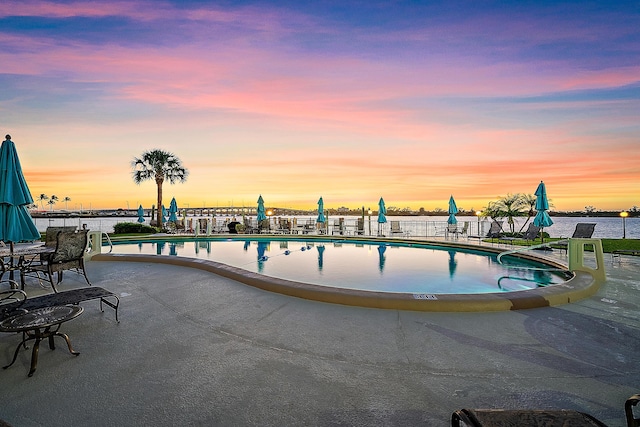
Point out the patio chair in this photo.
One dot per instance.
(465, 228)
(297, 228)
(284, 226)
(529, 236)
(495, 231)
(360, 227)
(51, 235)
(338, 226)
(453, 229)
(11, 300)
(264, 226)
(395, 228)
(309, 226)
(68, 255)
(584, 230)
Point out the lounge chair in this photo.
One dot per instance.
(495, 231)
(529, 236)
(584, 230)
(284, 226)
(618, 252)
(68, 255)
(395, 228)
(297, 228)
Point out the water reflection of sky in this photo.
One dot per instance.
(374, 267)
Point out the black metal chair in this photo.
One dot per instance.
(11, 300)
(68, 255)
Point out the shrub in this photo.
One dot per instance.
(133, 227)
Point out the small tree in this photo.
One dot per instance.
(509, 207)
(158, 165)
(52, 201)
(66, 201)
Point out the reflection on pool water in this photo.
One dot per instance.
(370, 266)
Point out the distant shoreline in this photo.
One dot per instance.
(285, 212)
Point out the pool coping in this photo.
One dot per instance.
(581, 286)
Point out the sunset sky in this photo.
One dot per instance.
(292, 100)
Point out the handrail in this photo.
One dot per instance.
(109, 241)
(526, 248)
(523, 279)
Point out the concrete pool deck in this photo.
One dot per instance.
(194, 348)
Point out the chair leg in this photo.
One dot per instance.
(50, 274)
(84, 272)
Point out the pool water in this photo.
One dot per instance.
(370, 266)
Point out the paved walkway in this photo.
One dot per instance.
(195, 349)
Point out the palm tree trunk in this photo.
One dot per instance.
(159, 215)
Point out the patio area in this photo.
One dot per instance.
(193, 348)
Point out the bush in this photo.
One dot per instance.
(133, 227)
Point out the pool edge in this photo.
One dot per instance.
(581, 286)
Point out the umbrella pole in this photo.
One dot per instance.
(11, 248)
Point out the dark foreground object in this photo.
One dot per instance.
(520, 418)
(38, 325)
(74, 296)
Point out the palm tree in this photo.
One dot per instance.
(158, 165)
(52, 201)
(42, 198)
(509, 206)
(529, 202)
(66, 200)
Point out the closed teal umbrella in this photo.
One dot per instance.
(382, 212)
(321, 217)
(453, 210)
(140, 214)
(173, 210)
(542, 218)
(262, 215)
(164, 214)
(16, 224)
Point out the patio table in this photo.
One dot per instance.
(38, 325)
(25, 253)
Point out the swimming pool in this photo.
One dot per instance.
(373, 266)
